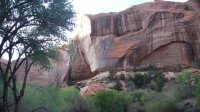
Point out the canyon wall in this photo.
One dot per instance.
(159, 32)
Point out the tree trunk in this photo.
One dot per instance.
(5, 98)
(17, 106)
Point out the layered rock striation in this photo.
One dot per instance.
(159, 32)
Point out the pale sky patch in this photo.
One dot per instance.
(104, 6)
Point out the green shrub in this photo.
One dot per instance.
(138, 100)
(178, 68)
(152, 67)
(118, 85)
(159, 82)
(112, 101)
(185, 87)
(159, 102)
(152, 101)
(197, 63)
(141, 80)
(197, 93)
(122, 77)
(54, 99)
(112, 73)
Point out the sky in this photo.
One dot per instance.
(103, 6)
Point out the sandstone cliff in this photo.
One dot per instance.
(160, 32)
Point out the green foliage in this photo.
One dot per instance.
(197, 91)
(159, 102)
(152, 67)
(112, 73)
(152, 80)
(54, 99)
(197, 94)
(32, 32)
(186, 85)
(10, 96)
(178, 68)
(71, 48)
(138, 100)
(152, 101)
(197, 63)
(112, 101)
(159, 82)
(141, 80)
(118, 85)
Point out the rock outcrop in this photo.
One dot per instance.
(65, 68)
(160, 32)
(56, 74)
(92, 89)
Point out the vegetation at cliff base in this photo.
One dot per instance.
(51, 98)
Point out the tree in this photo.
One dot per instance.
(30, 29)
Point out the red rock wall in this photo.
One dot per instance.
(158, 32)
(142, 35)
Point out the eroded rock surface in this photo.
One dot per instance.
(65, 68)
(160, 32)
(57, 74)
(92, 89)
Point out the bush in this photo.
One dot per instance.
(152, 67)
(138, 100)
(118, 86)
(197, 63)
(178, 68)
(159, 82)
(141, 80)
(51, 98)
(159, 102)
(197, 93)
(112, 101)
(112, 73)
(152, 101)
(185, 87)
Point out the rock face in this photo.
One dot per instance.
(92, 89)
(80, 69)
(56, 74)
(65, 68)
(159, 32)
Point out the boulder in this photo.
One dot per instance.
(169, 75)
(193, 70)
(92, 89)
